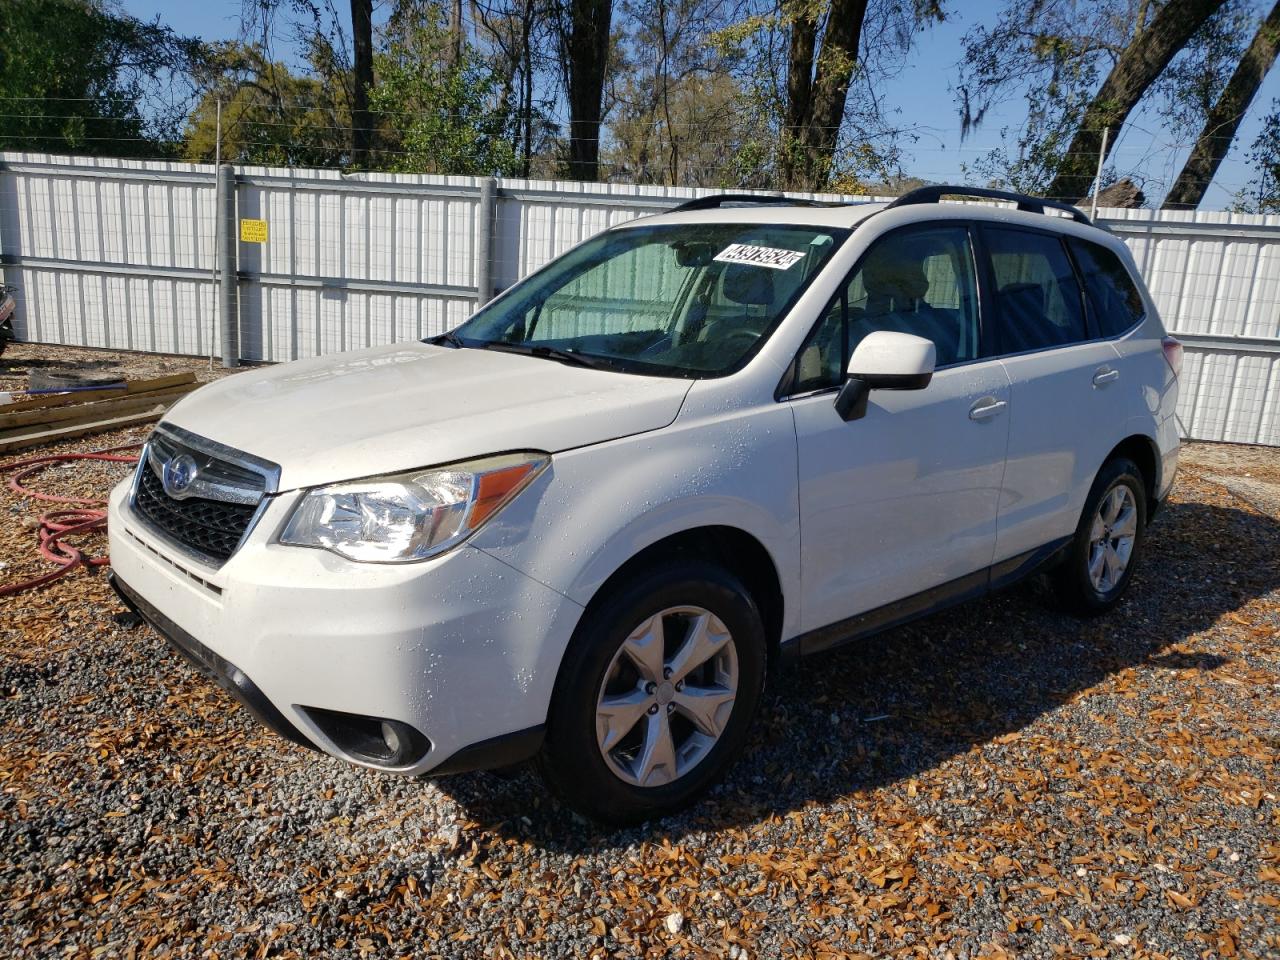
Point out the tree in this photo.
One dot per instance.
(1223, 119)
(362, 80)
(77, 77)
(322, 33)
(269, 114)
(827, 47)
(1083, 68)
(818, 79)
(676, 115)
(437, 106)
(519, 37)
(582, 32)
(1263, 193)
(1138, 66)
(815, 70)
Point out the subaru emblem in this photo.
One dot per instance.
(178, 476)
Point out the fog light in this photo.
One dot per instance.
(376, 740)
(391, 738)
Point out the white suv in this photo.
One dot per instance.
(583, 526)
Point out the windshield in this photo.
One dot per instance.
(692, 300)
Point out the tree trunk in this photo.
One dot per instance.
(799, 87)
(526, 90)
(362, 44)
(1224, 119)
(455, 35)
(816, 92)
(1139, 66)
(586, 44)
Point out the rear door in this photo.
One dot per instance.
(1064, 403)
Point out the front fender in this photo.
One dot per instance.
(598, 506)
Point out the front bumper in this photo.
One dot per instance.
(462, 648)
(226, 674)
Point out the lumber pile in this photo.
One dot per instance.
(63, 416)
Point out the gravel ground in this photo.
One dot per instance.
(998, 781)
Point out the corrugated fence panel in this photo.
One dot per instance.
(353, 261)
(109, 253)
(1215, 278)
(119, 254)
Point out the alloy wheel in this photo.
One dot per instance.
(1115, 526)
(667, 696)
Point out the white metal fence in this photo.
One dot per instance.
(114, 253)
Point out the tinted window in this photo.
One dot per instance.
(917, 281)
(1117, 304)
(1036, 294)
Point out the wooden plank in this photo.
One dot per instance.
(97, 410)
(36, 438)
(85, 396)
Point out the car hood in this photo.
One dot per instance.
(405, 406)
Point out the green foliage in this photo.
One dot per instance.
(1187, 90)
(1054, 54)
(76, 77)
(438, 117)
(1262, 195)
(269, 115)
(757, 52)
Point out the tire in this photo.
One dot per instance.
(1077, 584)
(595, 767)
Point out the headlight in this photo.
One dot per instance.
(409, 516)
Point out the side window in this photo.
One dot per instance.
(1036, 294)
(1117, 304)
(823, 359)
(918, 281)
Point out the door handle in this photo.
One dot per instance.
(1105, 375)
(986, 408)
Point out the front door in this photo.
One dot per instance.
(904, 499)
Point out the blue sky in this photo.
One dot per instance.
(921, 94)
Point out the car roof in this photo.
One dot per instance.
(800, 214)
(850, 215)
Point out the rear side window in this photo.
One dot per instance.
(1117, 304)
(1037, 298)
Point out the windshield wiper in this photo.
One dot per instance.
(548, 353)
(450, 338)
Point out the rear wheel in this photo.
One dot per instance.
(656, 694)
(1104, 551)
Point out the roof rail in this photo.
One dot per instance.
(935, 193)
(717, 200)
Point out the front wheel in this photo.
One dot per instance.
(656, 694)
(1104, 551)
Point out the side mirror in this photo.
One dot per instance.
(885, 360)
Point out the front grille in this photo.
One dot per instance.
(206, 527)
(199, 494)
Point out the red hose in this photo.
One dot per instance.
(84, 516)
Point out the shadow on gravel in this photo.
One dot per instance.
(889, 707)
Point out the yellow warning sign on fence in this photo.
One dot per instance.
(253, 231)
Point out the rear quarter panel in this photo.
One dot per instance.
(1151, 402)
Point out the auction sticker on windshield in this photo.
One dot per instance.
(774, 258)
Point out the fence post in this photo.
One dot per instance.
(229, 279)
(1097, 180)
(484, 240)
